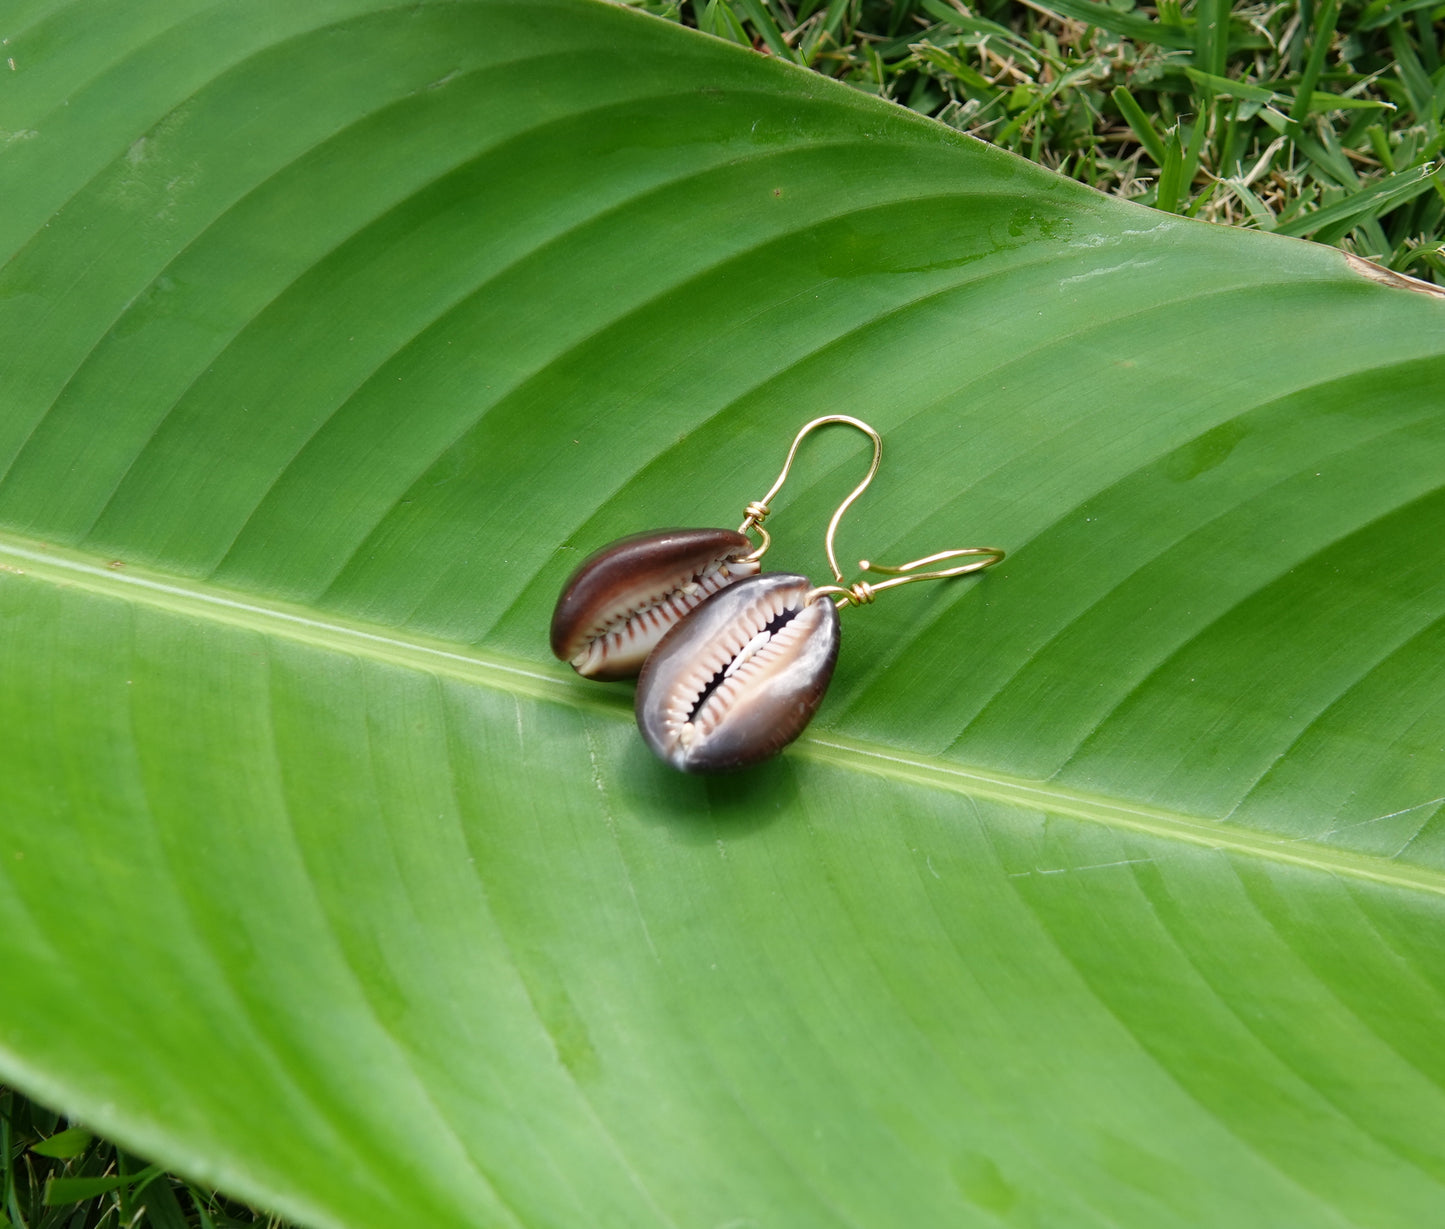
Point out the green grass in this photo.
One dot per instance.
(59, 1176)
(1320, 120)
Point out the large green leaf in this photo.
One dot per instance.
(1106, 889)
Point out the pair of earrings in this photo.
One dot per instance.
(734, 661)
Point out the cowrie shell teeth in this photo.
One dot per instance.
(739, 678)
(624, 598)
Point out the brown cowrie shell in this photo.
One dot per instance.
(624, 598)
(739, 678)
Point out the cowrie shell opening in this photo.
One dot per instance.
(623, 599)
(739, 678)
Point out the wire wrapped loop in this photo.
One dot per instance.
(762, 550)
(754, 516)
(859, 594)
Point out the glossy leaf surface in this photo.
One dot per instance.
(1106, 889)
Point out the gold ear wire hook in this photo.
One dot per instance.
(987, 556)
(861, 593)
(757, 511)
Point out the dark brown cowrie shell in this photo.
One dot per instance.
(739, 678)
(628, 595)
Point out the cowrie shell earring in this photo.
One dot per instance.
(627, 596)
(740, 677)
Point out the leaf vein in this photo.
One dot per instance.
(22, 559)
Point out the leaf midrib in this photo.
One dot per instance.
(189, 598)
